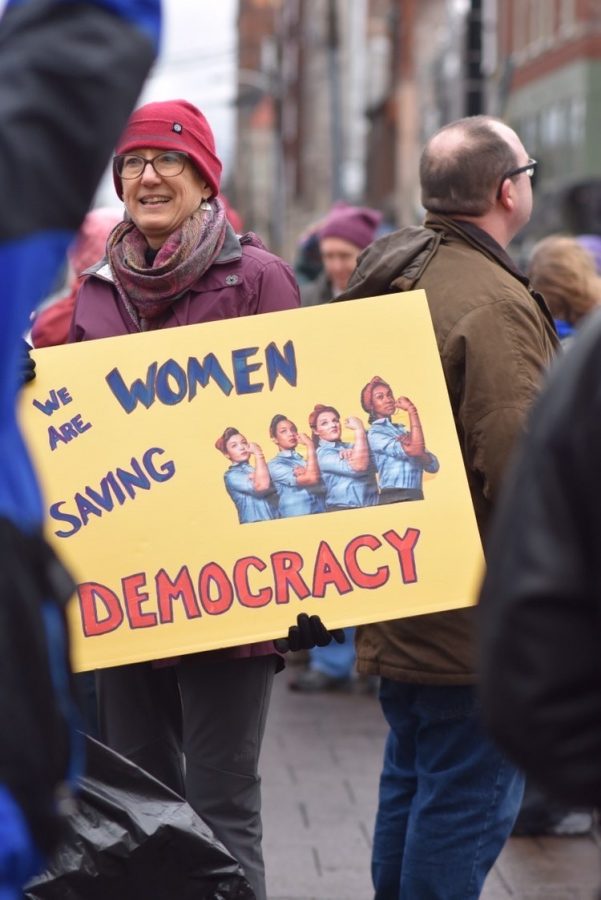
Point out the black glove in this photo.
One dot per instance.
(26, 363)
(308, 632)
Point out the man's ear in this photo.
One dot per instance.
(506, 198)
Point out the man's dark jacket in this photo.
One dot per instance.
(496, 338)
(540, 613)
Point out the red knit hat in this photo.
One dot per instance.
(172, 125)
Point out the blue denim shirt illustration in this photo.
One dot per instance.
(295, 499)
(252, 505)
(345, 486)
(395, 468)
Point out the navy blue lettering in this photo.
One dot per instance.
(281, 364)
(130, 481)
(64, 517)
(79, 425)
(139, 392)
(165, 472)
(104, 498)
(199, 373)
(48, 406)
(119, 495)
(165, 392)
(242, 370)
(85, 509)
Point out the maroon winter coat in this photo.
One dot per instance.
(244, 280)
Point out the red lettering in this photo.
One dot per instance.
(168, 590)
(90, 593)
(287, 565)
(214, 574)
(245, 596)
(134, 598)
(328, 571)
(361, 578)
(405, 546)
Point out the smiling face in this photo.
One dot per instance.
(158, 206)
(237, 448)
(327, 426)
(382, 401)
(286, 435)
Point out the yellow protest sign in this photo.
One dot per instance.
(187, 527)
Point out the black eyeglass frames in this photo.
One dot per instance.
(529, 169)
(167, 164)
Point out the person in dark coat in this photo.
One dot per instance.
(69, 76)
(540, 606)
(448, 796)
(343, 234)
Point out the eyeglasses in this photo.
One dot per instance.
(167, 164)
(529, 169)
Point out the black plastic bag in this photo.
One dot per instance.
(132, 837)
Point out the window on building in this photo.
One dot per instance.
(540, 24)
(567, 15)
(520, 9)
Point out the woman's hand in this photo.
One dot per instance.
(304, 439)
(26, 363)
(405, 403)
(354, 423)
(308, 632)
(255, 449)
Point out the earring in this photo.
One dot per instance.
(206, 205)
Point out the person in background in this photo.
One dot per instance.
(592, 243)
(52, 322)
(342, 235)
(540, 605)
(233, 216)
(174, 261)
(250, 488)
(564, 271)
(62, 106)
(448, 796)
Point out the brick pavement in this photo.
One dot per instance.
(320, 766)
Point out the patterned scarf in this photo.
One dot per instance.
(148, 291)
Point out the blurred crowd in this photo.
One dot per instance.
(492, 712)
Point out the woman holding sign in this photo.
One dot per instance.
(173, 261)
(400, 454)
(250, 488)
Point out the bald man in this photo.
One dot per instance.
(448, 798)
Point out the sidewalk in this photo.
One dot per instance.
(321, 761)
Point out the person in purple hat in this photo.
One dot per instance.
(344, 233)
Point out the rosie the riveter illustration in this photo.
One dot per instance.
(296, 479)
(347, 470)
(249, 487)
(399, 453)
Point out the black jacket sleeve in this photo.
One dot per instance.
(540, 606)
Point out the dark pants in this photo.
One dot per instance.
(448, 798)
(213, 712)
